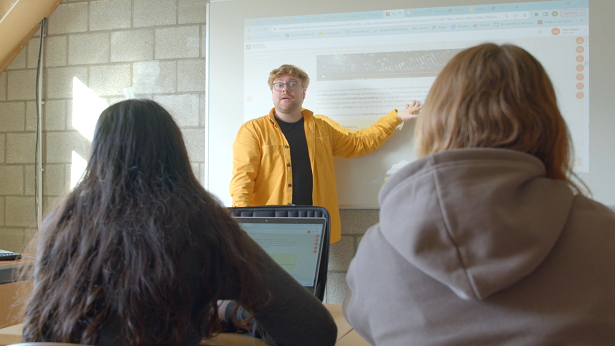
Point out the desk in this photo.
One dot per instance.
(10, 305)
(346, 336)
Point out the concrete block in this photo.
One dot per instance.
(54, 180)
(29, 181)
(203, 39)
(11, 180)
(110, 14)
(357, 221)
(191, 11)
(69, 18)
(110, 80)
(114, 100)
(202, 111)
(154, 77)
(29, 234)
(20, 147)
(21, 85)
(154, 12)
(56, 51)
(184, 108)
(31, 116)
(20, 211)
(32, 49)
(12, 239)
(336, 288)
(191, 75)
(54, 115)
(12, 116)
(135, 45)
(1, 213)
(59, 81)
(2, 147)
(3, 88)
(196, 169)
(19, 62)
(177, 43)
(60, 146)
(342, 253)
(51, 202)
(195, 143)
(88, 49)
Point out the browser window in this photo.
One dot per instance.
(363, 64)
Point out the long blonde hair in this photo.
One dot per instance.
(492, 96)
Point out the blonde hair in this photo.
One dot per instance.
(292, 70)
(492, 96)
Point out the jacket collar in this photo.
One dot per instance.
(307, 114)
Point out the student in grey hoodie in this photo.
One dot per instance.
(485, 240)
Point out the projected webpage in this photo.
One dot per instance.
(364, 64)
(295, 247)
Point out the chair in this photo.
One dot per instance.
(297, 211)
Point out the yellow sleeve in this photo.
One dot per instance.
(349, 143)
(246, 163)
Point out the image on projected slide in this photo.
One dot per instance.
(411, 64)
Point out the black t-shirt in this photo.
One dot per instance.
(300, 158)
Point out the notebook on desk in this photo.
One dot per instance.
(295, 243)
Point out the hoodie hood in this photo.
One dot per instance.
(482, 219)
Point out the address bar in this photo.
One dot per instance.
(404, 21)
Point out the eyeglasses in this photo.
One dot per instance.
(292, 85)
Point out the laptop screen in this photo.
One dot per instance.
(295, 243)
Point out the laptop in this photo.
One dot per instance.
(295, 243)
(9, 255)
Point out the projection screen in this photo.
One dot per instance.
(366, 58)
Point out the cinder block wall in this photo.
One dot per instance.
(118, 49)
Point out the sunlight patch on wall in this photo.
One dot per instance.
(77, 168)
(87, 107)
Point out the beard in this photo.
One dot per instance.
(288, 106)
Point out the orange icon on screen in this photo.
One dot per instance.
(580, 76)
(315, 247)
(580, 58)
(580, 40)
(580, 49)
(315, 251)
(555, 31)
(580, 68)
(580, 86)
(309, 232)
(580, 95)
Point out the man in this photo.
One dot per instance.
(286, 157)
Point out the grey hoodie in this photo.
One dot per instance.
(477, 247)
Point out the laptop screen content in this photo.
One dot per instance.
(295, 243)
